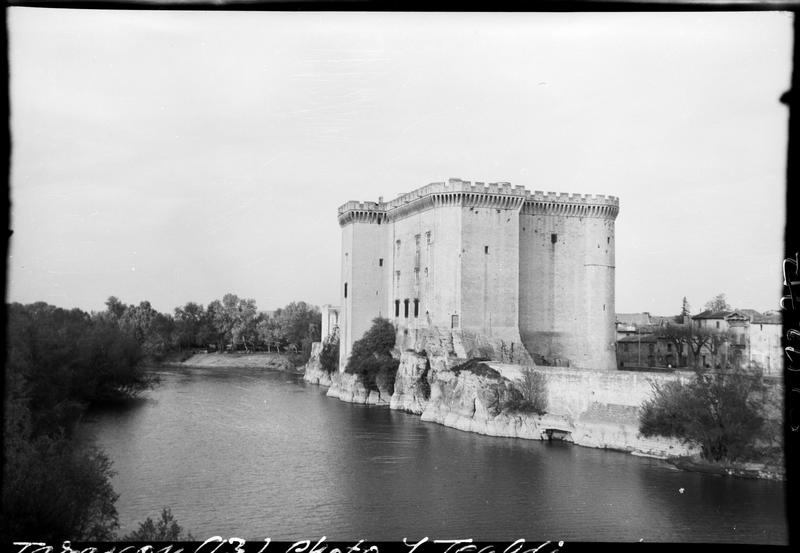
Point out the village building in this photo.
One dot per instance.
(743, 338)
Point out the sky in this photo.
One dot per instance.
(179, 156)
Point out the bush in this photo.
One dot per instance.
(166, 529)
(52, 488)
(329, 356)
(718, 410)
(371, 357)
(533, 389)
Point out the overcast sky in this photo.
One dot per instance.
(178, 156)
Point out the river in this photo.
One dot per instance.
(260, 454)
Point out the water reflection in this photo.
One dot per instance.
(261, 454)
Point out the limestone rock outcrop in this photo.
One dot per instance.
(313, 372)
(348, 387)
(472, 399)
(412, 385)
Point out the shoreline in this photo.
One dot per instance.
(258, 360)
(459, 401)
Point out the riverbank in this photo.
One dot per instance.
(265, 360)
(597, 409)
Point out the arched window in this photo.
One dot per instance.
(396, 308)
(345, 289)
(405, 302)
(416, 308)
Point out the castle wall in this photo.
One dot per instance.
(489, 272)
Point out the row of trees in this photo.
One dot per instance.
(232, 323)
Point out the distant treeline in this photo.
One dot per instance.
(230, 324)
(61, 361)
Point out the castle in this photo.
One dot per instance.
(509, 274)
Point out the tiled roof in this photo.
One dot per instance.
(639, 338)
(708, 314)
(769, 318)
(633, 318)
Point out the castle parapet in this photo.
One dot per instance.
(500, 195)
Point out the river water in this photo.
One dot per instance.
(255, 454)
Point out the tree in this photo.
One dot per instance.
(298, 323)
(718, 303)
(151, 329)
(685, 309)
(115, 308)
(166, 529)
(678, 335)
(190, 323)
(371, 357)
(718, 410)
(244, 323)
(268, 332)
(329, 356)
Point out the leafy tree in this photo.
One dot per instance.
(166, 529)
(329, 356)
(190, 326)
(299, 323)
(371, 357)
(115, 308)
(267, 331)
(245, 318)
(718, 410)
(718, 303)
(151, 329)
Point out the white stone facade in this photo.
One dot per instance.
(499, 266)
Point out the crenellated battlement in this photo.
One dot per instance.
(499, 195)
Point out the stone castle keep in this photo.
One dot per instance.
(498, 271)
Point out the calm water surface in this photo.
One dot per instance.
(254, 454)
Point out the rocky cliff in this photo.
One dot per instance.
(313, 372)
(582, 407)
(349, 388)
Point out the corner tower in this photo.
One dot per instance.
(364, 271)
(566, 279)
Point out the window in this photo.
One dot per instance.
(396, 308)
(554, 238)
(405, 303)
(345, 289)
(486, 249)
(416, 308)
(454, 321)
(651, 348)
(428, 237)
(669, 347)
(608, 240)
(717, 324)
(380, 262)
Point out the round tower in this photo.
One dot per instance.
(566, 279)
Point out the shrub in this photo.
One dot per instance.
(166, 529)
(53, 489)
(533, 391)
(329, 356)
(371, 357)
(717, 410)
